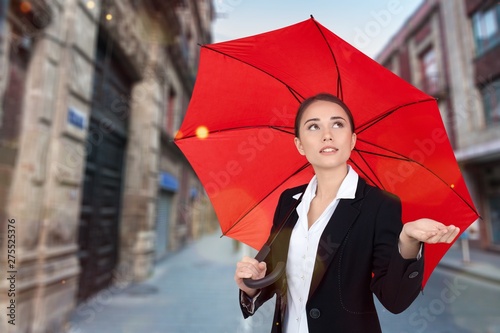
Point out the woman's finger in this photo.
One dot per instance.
(433, 237)
(452, 234)
(446, 235)
(246, 269)
(250, 260)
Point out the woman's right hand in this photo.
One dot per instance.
(249, 268)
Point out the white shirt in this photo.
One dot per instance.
(302, 250)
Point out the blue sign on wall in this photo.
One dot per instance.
(77, 118)
(168, 182)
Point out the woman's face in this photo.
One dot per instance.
(325, 135)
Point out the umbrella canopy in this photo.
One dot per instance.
(238, 130)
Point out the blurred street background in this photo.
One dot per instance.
(194, 291)
(113, 230)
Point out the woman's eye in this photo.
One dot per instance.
(313, 127)
(338, 124)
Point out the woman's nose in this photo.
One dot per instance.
(327, 137)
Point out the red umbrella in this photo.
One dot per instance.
(238, 130)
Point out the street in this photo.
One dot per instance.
(451, 303)
(194, 291)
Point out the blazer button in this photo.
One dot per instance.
(315, 313)
(413, 275)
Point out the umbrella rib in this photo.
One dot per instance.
(293, 91)
(277, 128)
(369, 167)
(407, 159)
(265, 197)
(294, 95)
(282, 129)
(381, 117)
(362, 171)
(340, 93)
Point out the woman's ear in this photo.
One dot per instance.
(298, 144)
(353, 140)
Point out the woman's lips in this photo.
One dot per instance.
(328, 150)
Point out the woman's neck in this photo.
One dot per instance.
(329, 182)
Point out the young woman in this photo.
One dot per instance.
(344, 242)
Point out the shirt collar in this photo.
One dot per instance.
(347, 189)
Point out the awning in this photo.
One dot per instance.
(168, 182)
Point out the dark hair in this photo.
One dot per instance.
(327, 97)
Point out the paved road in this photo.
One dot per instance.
(193, 291)
(451, 303)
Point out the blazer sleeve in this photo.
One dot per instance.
(268, 292)
(396, 281)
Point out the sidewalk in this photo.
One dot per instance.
(483, 265)
(191, 291)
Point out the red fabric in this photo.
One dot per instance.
(246, 95)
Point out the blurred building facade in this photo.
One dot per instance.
(451, 50)
(91, 95)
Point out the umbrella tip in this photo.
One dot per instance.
(312, 17)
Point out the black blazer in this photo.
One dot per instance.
(357, 257)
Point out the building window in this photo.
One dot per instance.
(486, 26)
(429, 71)
(494, 202)
(491, 102)
(170, 112)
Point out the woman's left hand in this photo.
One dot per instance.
(425, 231)
(428, 231)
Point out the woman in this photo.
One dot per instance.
(344, 242)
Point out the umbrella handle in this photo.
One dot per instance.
(268, 279)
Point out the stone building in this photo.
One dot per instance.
(451, 50)
(91, 94)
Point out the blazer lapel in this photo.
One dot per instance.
(283, 238)
(280, 253)
(344, 216)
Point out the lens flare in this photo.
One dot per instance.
(202, 132)
(90, 4)
(109, 17)
(178, 135)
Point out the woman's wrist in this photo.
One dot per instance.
(409, 247)
(408, 240)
